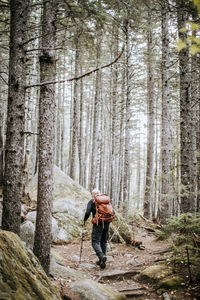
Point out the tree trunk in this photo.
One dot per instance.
(151, 123)
(126, 179)
(188, 180)
(166, 140)
(75, 120)
(95, 135)
(42, 242)
(14, 148)
(1, 150)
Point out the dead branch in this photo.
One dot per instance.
(78, 77)
(40, 49)
(29, 133)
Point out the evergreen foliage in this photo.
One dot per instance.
(183, 233)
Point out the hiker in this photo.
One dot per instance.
(99, 232)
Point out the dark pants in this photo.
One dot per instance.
(99, 238)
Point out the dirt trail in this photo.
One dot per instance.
(123, 265)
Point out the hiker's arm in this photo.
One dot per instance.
(88, 211)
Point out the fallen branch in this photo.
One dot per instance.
(78, 77)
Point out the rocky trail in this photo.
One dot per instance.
(124, 265)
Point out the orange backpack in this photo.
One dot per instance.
(104, 210)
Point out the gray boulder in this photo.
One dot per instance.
(68, 207)
(91, 290)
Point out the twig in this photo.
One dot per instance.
(188, 263)
(79, 77)
(29, 132)
(38, 49)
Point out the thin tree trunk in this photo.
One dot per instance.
(166, 139)
(75, 122)
(42, 242)
(126, 179)
(150, 125)
(14, 148)
(95, 137)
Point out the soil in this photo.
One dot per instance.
(124, 264)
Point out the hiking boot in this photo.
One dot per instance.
(102, 262)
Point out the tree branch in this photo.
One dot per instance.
(78, 77)
(40, 49)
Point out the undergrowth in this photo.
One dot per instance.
(183, 233)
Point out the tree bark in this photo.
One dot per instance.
(1, 150)
(151, 123)
(14, 148)
(166, 139)
(187, 119)
(126, 178)
(75, 118)
(95, 134)
(42, 242)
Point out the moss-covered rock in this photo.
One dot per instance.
(156, 273)
(21, 275)
(91, 290)
(172, 283)
(120, 231)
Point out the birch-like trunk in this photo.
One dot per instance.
(47, 105)
(151, 123)
(14, 148)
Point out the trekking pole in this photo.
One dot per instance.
(81, 250)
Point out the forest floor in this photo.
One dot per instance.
(124, 265)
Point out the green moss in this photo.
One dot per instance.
(173, 283)
(121, 231)
(21, 273)
(156, 273)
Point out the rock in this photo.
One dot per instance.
(27, 230)
(21, 275)
(69, 205)
(31, 216)
(87, 266)
(132, 262)
(75, 258)
(172, 283)
(156, 273)
(110, 259)
(166, 296)
(27, 233)
(63, 188)
(91, 290)
(59, 271)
